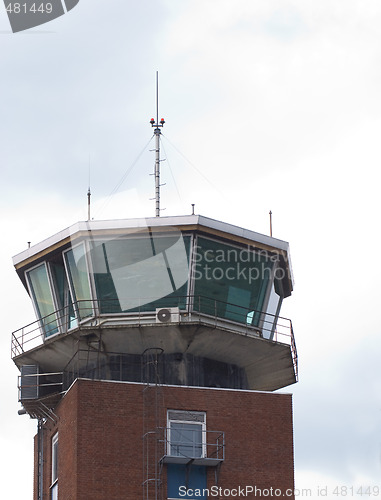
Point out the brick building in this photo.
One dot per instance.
(152, 366)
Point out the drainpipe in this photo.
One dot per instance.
(40, 459)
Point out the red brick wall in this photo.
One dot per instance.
(101, 449)
(258, 434)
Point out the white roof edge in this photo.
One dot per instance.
(96, 225)
(250, 391)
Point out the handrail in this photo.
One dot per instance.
(192, 308)
(39, 381)
(212, 445)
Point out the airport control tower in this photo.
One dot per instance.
(152, 365)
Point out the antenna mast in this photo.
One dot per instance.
(271, 223)
(88, 196)
(157, 133)
(88, 203)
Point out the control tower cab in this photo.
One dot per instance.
(206, 294)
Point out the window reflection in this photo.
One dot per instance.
(141, 273)
(186, 439)
(79, 279)
(231, 282)
(271, 316)
(42, 298)
(65, 302)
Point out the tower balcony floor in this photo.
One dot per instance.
(269, 363)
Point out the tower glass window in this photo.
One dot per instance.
(231, 282)
(141, 272)
(75, 259)
(67, 317)
(272, 314)
(41, 293)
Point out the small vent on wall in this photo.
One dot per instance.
(195, 416)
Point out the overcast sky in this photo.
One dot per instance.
(269, 105)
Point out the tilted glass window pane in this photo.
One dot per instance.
(141, 273)
(271, 316)
(231, 282)
(186, 439)
(79, 277)
(42, 297)
(66, 307)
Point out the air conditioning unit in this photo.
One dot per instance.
(29, 382)
(168, 315)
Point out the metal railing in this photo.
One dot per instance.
(179, 446)
(37, 385)
(192, 308)
(100, 365)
